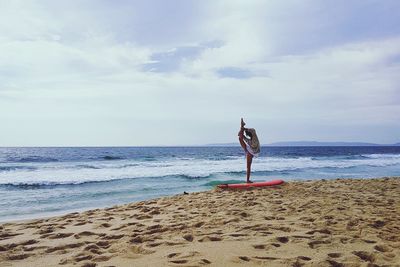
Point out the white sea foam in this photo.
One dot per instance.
(81, 172)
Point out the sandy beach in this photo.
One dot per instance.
(343, 222)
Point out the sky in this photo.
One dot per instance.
(182, 72)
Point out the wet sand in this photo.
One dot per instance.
(342, 222)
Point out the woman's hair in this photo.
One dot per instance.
(248, 133)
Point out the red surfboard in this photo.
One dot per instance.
(246, 185)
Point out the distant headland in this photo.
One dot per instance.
(311, 143)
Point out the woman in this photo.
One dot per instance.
(249, 141)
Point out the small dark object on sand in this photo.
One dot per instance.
(185, 193)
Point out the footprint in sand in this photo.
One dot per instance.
(231, 220)
(18, 256)
(137, 240)
(172, 255)
(154, 244)
(378, 224)
(28, 242)
(80, 223)
(7, 247)
(179, 261)
(244, 258)
(283, 229)
(317, 243)
(190, 257)
(307, 219)
(143, 217)
(92, 248)
(32, 248)
(63, 247)
(265, 258)
(82, 257)
(382, 248)
(101, 258)
(113, 237)
(301, 237)
(304, 258)
(321, 231)
(297, 263)
(6, 235)
(86, 233)
(333, 263)
(60, 235)
(45, 230)
(282, 239)
(205, 261)
(335, 255)
(103, 244)
(238, 234)
(210, 238)
(105, 225)
(365, 256)
(120, 227)
(168, 243)
(188, 237)
(369, 241)
(260, 246)
(256, 259)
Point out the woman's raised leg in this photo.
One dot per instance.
(241, 135)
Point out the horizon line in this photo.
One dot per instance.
(228, 144)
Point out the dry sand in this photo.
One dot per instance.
(319, 223)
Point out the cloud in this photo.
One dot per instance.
(187, 69)
(169, 61)
(233, 72)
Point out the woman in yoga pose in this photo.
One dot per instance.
(249, 141)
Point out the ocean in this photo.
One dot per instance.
(38, 182)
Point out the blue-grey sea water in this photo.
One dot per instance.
(37, 182)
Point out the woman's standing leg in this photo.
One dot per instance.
(249, 158)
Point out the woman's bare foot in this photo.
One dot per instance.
(242, 123)
(249, 182)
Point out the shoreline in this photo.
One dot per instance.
(48, 215)
(311, 223)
